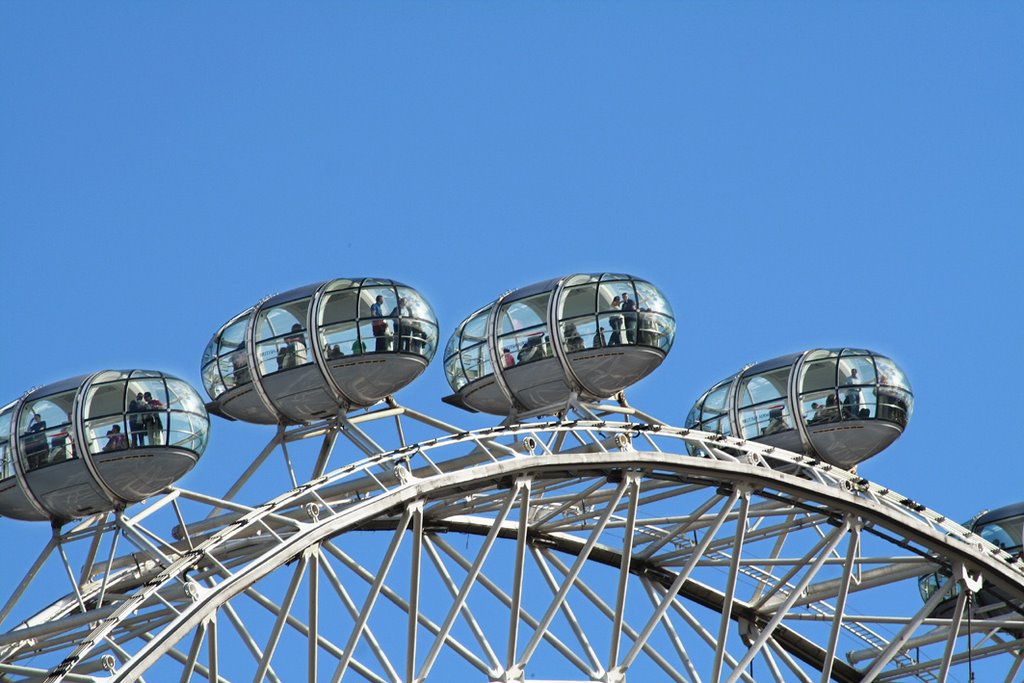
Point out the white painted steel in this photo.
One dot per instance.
(542, 541)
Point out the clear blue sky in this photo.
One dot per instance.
(791, 175)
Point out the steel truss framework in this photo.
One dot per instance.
(596, 549)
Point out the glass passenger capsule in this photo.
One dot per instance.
(307, 353)
(589, 335)
(97, 442)
(840, 405)
(1002, 527)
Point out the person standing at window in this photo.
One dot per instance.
(154, 425)
(402, 328)
(616, 322)
(629, 313)
(136, 420)
(379, 327)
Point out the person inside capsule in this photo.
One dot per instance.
(865, 391)
(290, 357)
(67, 436)
(543, 339)
(116, 441)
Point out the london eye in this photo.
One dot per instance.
(579, 537)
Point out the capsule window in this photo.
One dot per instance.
(655, 322)
(6, 452)
(693, 417)
(106, 434)
(818, 375)
(579, 328)
(476, 362)
(715, 405)
(453, 371)
(1007, 534)
(105, 399)
(339, 306)
(575, 334)
(233, 361)
(579, 301)
(147, 416)
(338, 323)
(415, 325)
(856, 370)
(282, 340)
(188, 431)
(104, 412)
(895, 402)
(711, 412)
(819, 407)
(44, 432)
(763, 403)
(522, 329)
(377, 312)
(617, 303)
(768, 386)
(181, 397)
(225, 362)
(473, 360)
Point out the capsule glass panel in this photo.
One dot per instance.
(107, 424)
(523, 330)
(819, 400)
(14, 502)
(45, 431)
(339, 320)
(226, 361)
(415, 324)
(714, 411)
(282, 342)
(857, 398)
(656, 325)
(762, 401)
(471, 359)
(1007, 533)
(6, 450)
(895, 400)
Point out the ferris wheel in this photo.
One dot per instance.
(579, 539)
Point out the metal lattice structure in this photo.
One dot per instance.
(607, 548)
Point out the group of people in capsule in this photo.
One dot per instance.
(144, 424)
(849, 405)
(625, 317)
(410, 335)
(294, 349)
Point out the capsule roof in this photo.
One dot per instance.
(308, 353)
(848, 404)
(91, 443)
(588, 335)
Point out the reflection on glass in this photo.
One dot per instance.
(225, 361)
